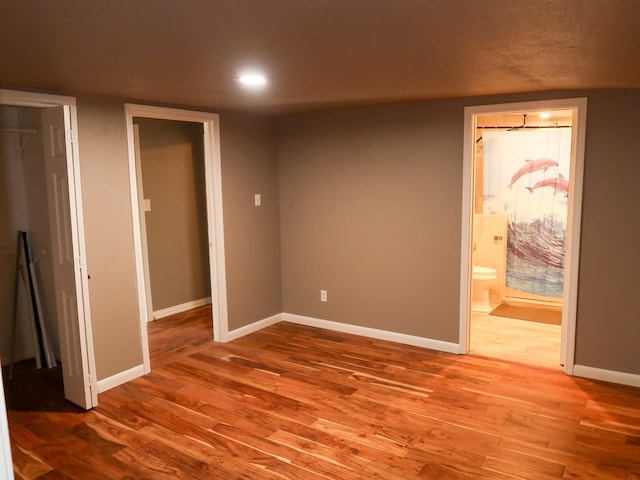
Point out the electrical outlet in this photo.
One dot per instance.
(323, 295)
(257, 199)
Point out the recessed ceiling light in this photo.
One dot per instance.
(545, 115)
(253, 80)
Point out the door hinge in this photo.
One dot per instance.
(90, 381)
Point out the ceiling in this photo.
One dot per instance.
(316, 53)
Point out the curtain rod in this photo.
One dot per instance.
(524, 127)
(518, 127)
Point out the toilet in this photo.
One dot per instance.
(482, 278)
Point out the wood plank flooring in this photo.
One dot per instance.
(295, 402)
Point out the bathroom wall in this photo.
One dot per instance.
(490, 250)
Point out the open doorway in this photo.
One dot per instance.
(170, 157)
(173, 224)
(200, 259)
(43, 198)
(523, 170)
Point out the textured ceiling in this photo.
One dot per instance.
(316, 53)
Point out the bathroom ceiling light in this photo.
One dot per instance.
(545, 115)
(253, 80)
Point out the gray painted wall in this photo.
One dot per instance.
(371, 211)
(366, 203)
(172, 159)
(252, 234)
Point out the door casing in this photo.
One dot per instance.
(215, 227)
(572, 256)
(40, 100)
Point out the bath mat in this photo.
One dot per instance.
(534, 313)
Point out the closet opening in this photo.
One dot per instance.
(45, 319)
(176, 189)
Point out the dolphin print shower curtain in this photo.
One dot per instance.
(526, 177)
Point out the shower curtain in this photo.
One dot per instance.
(526, 177)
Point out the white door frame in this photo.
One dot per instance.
(574, 216)
(41, 100)
(6, 463)
(215, 227)
(143, 223)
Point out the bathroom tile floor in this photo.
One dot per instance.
(522, 341)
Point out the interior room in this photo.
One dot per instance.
(253, 228)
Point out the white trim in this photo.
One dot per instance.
(6, 463)
(574, 227)
(607, 375)
(212, 164)
(137, 243)
(255, 326)
(120, 378)
(183, 307)
(468, 177)
(373, 333)
(17, 98)
(81, 276)
(143, 222)
(217, 261)
(579, 105)
(42, 100)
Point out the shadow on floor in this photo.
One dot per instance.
(35, 390)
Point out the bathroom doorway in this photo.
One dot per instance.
(524, 183)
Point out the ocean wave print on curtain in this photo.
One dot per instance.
(526, 177)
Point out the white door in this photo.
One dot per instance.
(78, 380)
(6, 464)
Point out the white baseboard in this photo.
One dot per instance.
(607, 375)
(165, 312)
(374, 333)
(254, 327)
(120, 378)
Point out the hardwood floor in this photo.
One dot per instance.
(178, 335)
(295, 402)
(531, 343)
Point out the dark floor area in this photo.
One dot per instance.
(35, 390)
